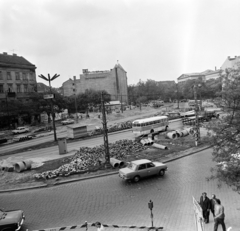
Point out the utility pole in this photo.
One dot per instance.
(105, 131)
(121, 104)
(177, 96)
(75, 98)
(49, 79)
(197, 134)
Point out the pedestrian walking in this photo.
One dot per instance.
(213, 204)
(219, 215)
(205, 205)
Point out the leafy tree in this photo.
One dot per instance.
(226, 132)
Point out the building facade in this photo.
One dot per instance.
(114, 81)
(16, 75)
(194, 76)
(232, 63)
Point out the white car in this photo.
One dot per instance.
(22, 138)
(67, 121)
(20, 130)
(138, 169)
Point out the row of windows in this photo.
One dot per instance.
(150, 123)
(19, 88)
(25, 76)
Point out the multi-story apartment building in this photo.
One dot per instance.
(114, 81)
(16, 75)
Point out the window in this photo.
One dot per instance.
(10, 87)
(142, 166)
(18, 88)
(25, 88)
(17, 76)
(24, 76)
(1, 77)
(9, 77)
(150, 165)
(1, 88)
(31, 76)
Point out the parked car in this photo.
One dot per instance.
(11, 220)
(20, 130)
(67, 121)
(22, 138)
(138, 169)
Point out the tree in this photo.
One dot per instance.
(225, 141)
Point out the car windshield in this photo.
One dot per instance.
(132, 166)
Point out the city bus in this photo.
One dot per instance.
(149, 125)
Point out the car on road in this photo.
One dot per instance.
(67, 121)
(138, 169)
(20, 130)
(22, 138)
(11, 220)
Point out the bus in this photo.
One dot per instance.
(149, 125)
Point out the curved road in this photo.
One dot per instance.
(112, 201)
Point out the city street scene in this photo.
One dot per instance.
(119, 115)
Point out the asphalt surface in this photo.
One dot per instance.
(112, 201)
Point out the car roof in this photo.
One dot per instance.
(142, 161)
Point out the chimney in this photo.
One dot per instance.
(5, 53)
(14, 54)
(215, 68)
(74, 78)
(228, 57)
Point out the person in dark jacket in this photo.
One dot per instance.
(205, 204)
(213, 204)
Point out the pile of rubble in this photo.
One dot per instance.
(88, 158)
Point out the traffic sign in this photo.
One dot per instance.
(49, 96)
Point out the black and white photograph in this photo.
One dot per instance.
(119, 115)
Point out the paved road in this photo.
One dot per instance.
(45, 152)
(112, 201)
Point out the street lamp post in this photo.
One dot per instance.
(197, 134)
(150, 206)
(200, 91)
(105, 132)
(49, 79)
(177, 95)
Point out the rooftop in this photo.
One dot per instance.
(14, 60)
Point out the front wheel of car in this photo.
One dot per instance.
(161, 172)
(136, 179)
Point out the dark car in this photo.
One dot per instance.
(11, 220)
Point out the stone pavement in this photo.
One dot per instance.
(102, 173)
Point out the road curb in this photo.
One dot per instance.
(100, 175)
(23, 189)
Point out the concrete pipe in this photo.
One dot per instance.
(185, 132)
(150, 141)
(172, 135)
(178, 133)
(19, 167)
(146, 142)
(190, 131)
(160, 146)
(114, 162)
(27, 164)
(121, 164)
(143, 142)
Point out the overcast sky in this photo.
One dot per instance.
(158, 40)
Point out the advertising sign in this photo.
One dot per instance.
(198, 217)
